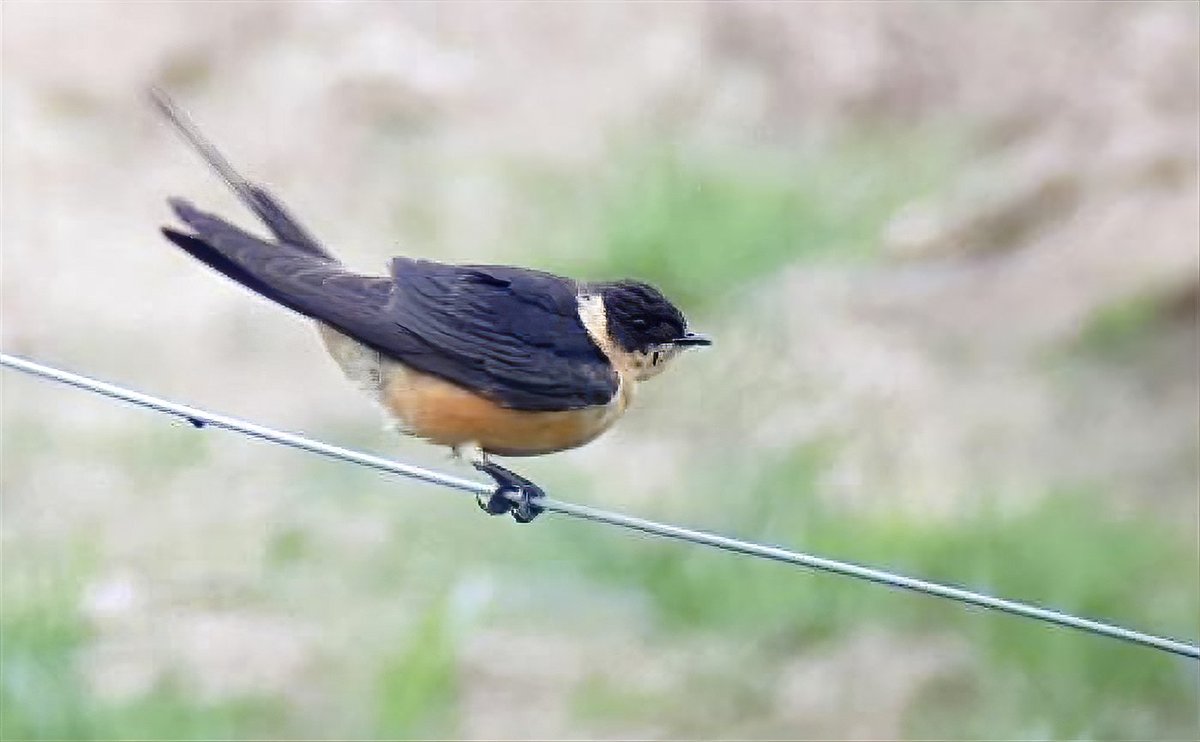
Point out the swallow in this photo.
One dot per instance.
(495, 359)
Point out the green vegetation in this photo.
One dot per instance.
(416, 689)
(1065, 553)
(42, 692)
(699, 223)
(1115, 329)
(40, 697)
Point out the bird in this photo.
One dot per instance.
(497, 360)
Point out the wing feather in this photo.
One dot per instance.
(511, 334)
(516, 332)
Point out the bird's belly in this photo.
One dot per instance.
(445, 413)
(448, 414)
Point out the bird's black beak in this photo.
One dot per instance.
(692, 338)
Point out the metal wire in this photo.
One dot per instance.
(201, 418)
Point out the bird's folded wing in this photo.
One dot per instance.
(511, 335)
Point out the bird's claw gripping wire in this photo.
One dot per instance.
(508, 483)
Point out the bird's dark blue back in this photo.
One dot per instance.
(511, 332)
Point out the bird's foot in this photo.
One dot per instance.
(508, 483)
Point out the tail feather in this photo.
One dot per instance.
(295, 271)
(212, 257)
(311, 285)
(285, 228)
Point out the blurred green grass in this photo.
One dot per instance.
(1125, 329)
(702, 222)
(1067, 553)
(42, 692)
(416, 688)
(1025, 679)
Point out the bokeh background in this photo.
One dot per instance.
(950, 255)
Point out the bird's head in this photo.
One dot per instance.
(645, 331)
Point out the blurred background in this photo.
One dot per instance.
(950, 255)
